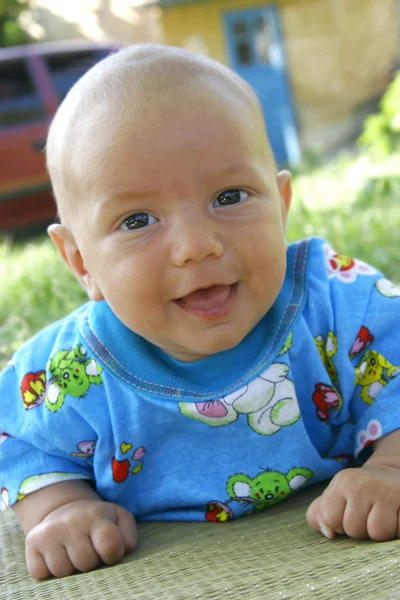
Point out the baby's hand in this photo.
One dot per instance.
(80, 536)
(362, 503)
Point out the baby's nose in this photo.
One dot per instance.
(196, 239)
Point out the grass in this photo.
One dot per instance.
(353, 203)
(35, 290)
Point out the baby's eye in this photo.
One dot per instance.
(230, 197)
(137, 221)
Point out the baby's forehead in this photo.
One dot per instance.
(135, 84)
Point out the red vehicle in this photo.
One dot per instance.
(33, 81)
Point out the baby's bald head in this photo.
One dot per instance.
(141, 82)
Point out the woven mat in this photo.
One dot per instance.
(271, 555)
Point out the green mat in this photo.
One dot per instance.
(271, 555)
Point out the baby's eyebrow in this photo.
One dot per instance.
(234, 169)
(127, 195)
(254, 172)
(135, 193)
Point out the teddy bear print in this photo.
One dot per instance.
(387, 288)
(72, 373)
(266, 488)
(368, 437)
(372, 373)
(269, 401)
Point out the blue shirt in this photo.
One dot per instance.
(304, 395)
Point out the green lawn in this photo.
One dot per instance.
(354, 204)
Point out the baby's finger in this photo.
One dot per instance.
(107, 541)
(58, 561)
(383, 523)
(331, 510)
(44, 557)
(37, 565)
(313, 517)
(356, 516)
(127, 525)
(312, 514)
(82, 554)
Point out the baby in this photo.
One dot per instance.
(216, 370)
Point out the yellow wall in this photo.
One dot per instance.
(338, 52)
(202, 24)
(122, 21)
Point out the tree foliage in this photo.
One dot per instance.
(11, 33)
(382, 130)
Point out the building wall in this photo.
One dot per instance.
(339, 54)
(121, 20)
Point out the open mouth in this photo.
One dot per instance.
(214, 302)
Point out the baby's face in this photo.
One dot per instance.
(182, 230)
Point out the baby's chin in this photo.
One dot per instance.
(200, 350)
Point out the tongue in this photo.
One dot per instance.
(206, 299)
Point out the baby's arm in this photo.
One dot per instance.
(364, 502)
(69, 527)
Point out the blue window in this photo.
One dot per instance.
(20, 103)
(67, 67)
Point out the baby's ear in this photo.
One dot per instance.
(68, 249)
(284, 180)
